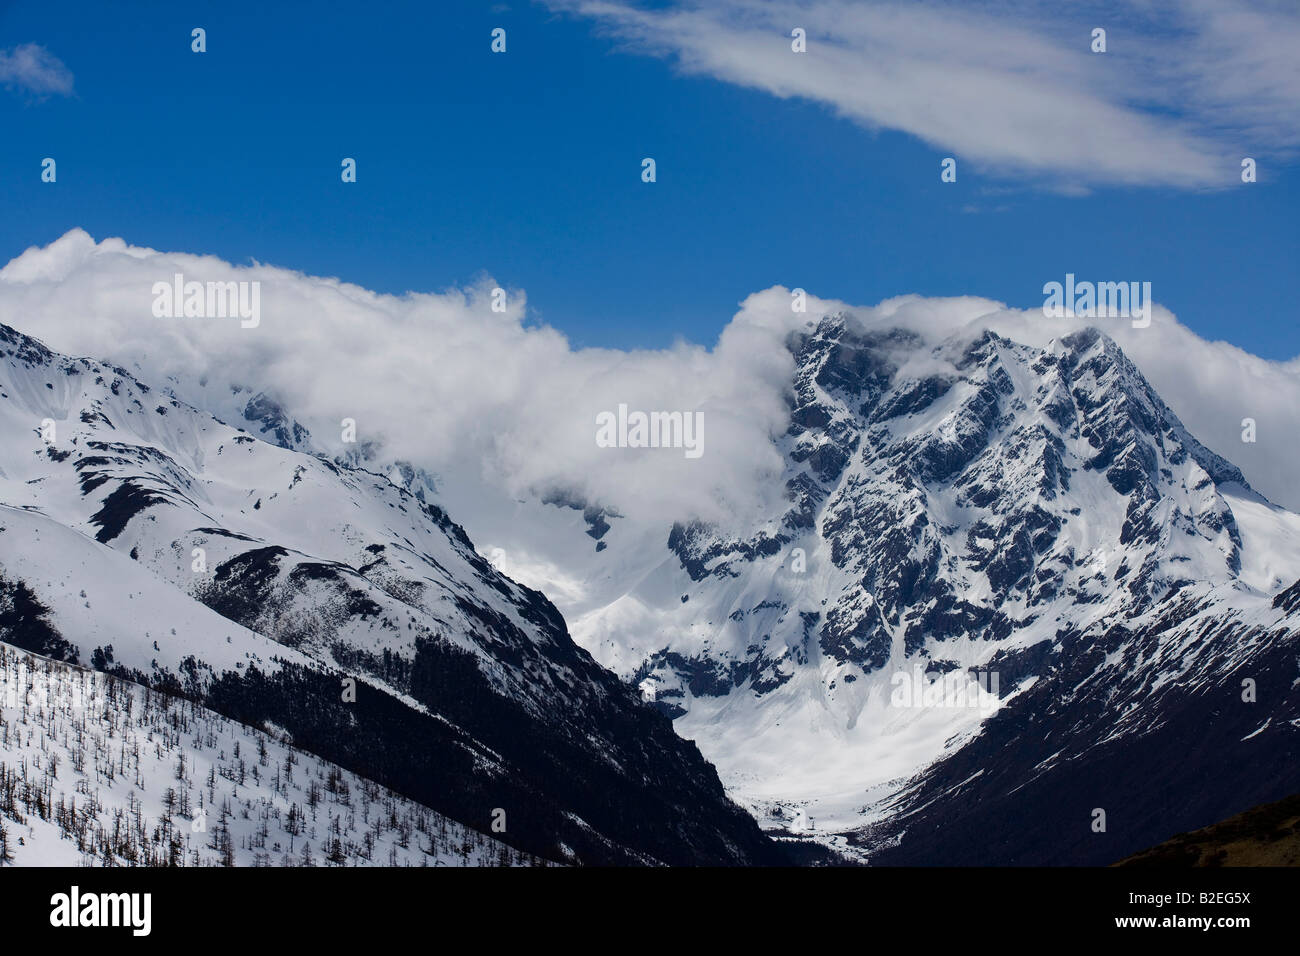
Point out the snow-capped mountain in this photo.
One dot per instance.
(997, 564)
(290, 592)
(1007, 589)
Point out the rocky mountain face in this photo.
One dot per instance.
(950, 505)
(333, 607)
(1032, 528)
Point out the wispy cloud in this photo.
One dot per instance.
(33, 69)
(1184, 90)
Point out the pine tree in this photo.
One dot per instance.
(336, 855)
(6, 855)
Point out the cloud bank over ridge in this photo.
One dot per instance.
(477, 396)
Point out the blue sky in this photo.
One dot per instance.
(527, 165)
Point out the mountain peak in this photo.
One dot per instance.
(950, 503)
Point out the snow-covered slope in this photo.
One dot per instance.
(145, 536)
(99, 771)
(1163, 721)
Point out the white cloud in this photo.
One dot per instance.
(33, 68)
(1184, 91)
(439, 378)
(484, 399)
